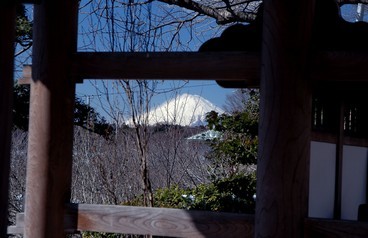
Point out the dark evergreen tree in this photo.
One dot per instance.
(84, 115)
(23, 30)
(234, 154)
(21, 106)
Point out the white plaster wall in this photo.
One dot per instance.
(354, 182)
(322, 180)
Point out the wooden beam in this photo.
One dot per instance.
(153, 221)
(185, 223)
(333, 139)
(31, 1)
(339, 161)
(163, 221)
(285, 120)
(70, 222)
(323, 228)
(50, 141)
(27, 75)
(169, 65)
(327, 69)
(339, 66)
(4, 2)
(7, 29)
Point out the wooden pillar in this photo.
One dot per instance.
(51, 118)
(284, 135)
(7, 27)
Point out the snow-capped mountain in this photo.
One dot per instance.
(184, 110)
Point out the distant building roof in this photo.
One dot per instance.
(206, 135)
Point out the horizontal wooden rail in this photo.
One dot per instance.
(336, 69)
(183, 223)
(26, 75)
(323, 228)
(152, 221)
(70, 223)
(332, 138)
(340, 66)
(170, 65)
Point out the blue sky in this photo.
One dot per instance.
(189, 38)
(90, 42)
(207, 89)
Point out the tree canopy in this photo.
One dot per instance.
(23, 29)
(239, 141)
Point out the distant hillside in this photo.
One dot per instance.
(184, 110)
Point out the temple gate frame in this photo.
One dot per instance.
(286, 69)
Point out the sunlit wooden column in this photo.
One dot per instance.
(7, 29)
(284, 135)
(51, 118)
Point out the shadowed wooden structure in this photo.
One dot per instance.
(287, 69)
(7, 27)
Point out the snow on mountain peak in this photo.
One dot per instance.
(185, 110)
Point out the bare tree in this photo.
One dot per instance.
(17, 173)
(106, 171)
(175, 160)
(242, 99)
(139, 103)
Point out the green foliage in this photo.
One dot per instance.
(238, 144)
(232, 156)
(89, 234)
(238, 193)
(233, 194)
(238, 122)
(23, 30)
(86, 116)
(173, 197)
(99, 235)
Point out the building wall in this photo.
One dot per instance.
(322, 180)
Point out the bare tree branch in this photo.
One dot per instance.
(222, 15)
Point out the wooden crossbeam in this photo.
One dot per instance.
(340, 66)
(169, 65)
(315, 228)
(335, 68)
(327, 67)
(182, 223)
(27, 75)
(153, 221)
(333, 138)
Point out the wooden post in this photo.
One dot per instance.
(51, 118)
(7, 29)
(339, 160)
(284, 135)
